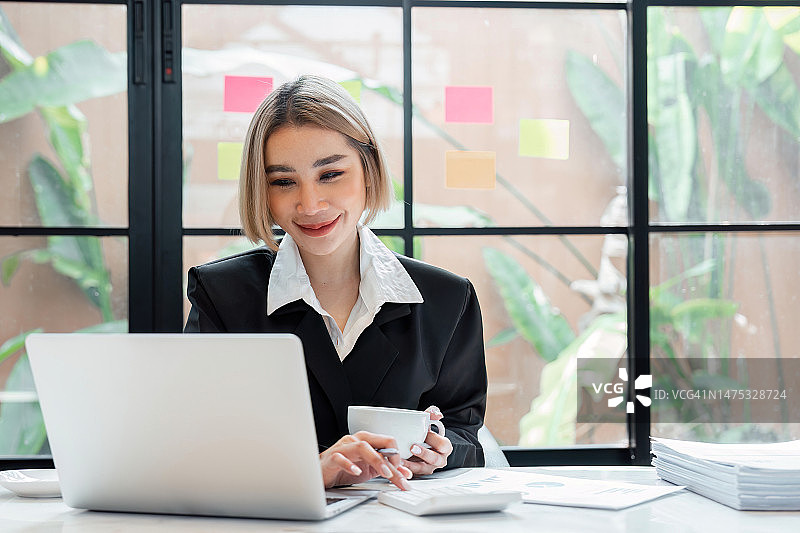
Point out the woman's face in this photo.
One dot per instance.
(315, 187)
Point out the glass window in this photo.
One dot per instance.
(724, 114)
(516, 111)
(228, 71)
(60, 284)
(63, 164)
(546, 302)
(63, 115)
(725, 352)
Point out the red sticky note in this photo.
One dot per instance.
(243, 94)
(474, 105)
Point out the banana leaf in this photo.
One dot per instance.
(551, 420)
(602, 102)
(531, 313)
(73, 73)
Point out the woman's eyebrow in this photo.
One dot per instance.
(318, 163)
(278, 168)
(328, 160)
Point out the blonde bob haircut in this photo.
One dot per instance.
(306, 101)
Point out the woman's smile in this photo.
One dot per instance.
(320, 229)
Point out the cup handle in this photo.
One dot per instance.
(439, 426)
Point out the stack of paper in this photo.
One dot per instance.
(742, 476)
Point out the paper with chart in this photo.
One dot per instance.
(555, 490)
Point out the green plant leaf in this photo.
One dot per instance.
(714, 21)
(53, 196)
(8, 268)
(67, 128)
(14, 344)
(699, 269)
(721, 102)
(786, 21)
(674, 135)
(779, 98)
(55, 205)
(753, 196)
(394, 243)
(80, 258)
(551, 420)
(503, 337)
(10, 45)
(704, 309)
(22, 430)
(73, 73)
(690, 318)
(751, 50)
(601, 101)
(531, 313)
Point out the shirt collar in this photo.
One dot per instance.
(383, 278)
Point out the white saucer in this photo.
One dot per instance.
(33, 483)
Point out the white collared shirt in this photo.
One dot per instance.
(383, 279)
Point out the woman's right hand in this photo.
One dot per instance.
(354, 459)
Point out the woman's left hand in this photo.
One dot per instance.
(426, 460)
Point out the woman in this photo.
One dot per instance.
(377, 328)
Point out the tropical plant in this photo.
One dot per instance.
(737, 67)
(51, 85)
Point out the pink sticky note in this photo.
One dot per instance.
(474, 105)
(243, 94)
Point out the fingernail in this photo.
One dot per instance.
(415, 449)
(386, 472)
(355, 470)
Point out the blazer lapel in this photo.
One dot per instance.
(373, 355)
(323, 362)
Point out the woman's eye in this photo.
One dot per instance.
(331, 175)
(281, 182)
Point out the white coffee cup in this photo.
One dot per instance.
(408, 427)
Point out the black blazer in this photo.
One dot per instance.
(411, 356)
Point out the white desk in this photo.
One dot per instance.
(680, 512)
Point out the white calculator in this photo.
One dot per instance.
(447, 500)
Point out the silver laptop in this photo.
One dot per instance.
(196, 424)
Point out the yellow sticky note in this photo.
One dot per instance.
(229, 158)
(470, 170)
(544, 137)
(354, 88)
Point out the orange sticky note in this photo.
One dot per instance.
(470, 170)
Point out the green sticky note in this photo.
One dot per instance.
(544, 137)
(229, 158)
(354, 88)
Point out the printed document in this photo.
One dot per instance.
(554, 490)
